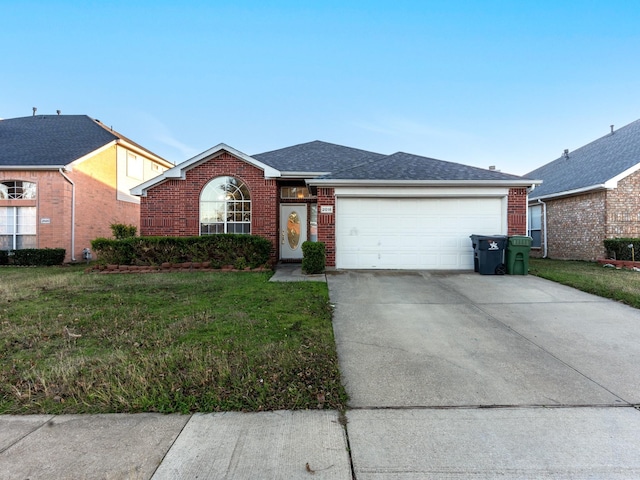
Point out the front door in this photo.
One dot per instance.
(293, 230)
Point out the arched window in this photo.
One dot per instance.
(17, 222)
(225, 207)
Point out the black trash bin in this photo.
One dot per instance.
(488, 254)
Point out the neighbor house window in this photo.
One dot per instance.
(135, 166)
(535, 225)
(17, 222)
(17, 190)
(225, 207)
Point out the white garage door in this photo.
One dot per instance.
(412, 233)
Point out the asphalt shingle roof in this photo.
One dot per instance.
(406, 166)
(50, 140)
(316, 157)
(591, 165)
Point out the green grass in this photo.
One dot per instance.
(73, 342)
(622, 285)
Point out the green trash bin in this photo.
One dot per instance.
(518, 248)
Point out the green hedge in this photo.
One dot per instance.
(33, 257)
(313, 257)
(618, 248)
(237, 250)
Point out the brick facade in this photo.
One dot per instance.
(96, 203)
(172, 208)
(517, 211)
(327, 224)
(578, 225)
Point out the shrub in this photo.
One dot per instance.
(121, 231)
(38, 256)
(313, 260)
(4, 257)
(226, 249)
(618, 248)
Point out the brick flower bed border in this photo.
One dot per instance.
(619, 263)
(170, 267)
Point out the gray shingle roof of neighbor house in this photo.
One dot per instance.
(53, 140)
(405, 166)
(315, 157)
(591, 166)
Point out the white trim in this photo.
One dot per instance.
(568, 193)
(423, 183)
(32, 167)
(180, 171)
(613, 182)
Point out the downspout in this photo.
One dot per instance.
(544, 226)
(73, 215)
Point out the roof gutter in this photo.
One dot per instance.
(568, 193)
(73, 214)
(27, 168)
(321, 182)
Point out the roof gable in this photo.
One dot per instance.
(599, 164)
(50, 141)
(180, 170)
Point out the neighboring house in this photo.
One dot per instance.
(64, 179)
(372, 211)
(587, 195)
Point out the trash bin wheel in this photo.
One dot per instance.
(501, 269)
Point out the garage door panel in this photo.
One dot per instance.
(419, 233)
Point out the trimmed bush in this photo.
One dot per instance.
(618, 248)
(226, 249)
(313, 257)
(121, 231)
(4, 257)
(38, 256)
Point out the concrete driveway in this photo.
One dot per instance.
(459, 375)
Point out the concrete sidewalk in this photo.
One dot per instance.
(205, 446)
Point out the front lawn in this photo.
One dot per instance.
(73, 342)
(621, 285)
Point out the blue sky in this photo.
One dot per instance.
(504, 83)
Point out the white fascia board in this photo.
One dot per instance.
(423, 183)
(90, 155)
(32, 167)
(568, 193)
(180, 170)
(421, 192)
(613, 182)
(303, 174)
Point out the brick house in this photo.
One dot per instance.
(64, 179)
(587, 196)
(372, 211)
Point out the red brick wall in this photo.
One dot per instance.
(173, 207)
(576, 227)
(96, 204)
(327, 224)
(517, 211)
(623, 209)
